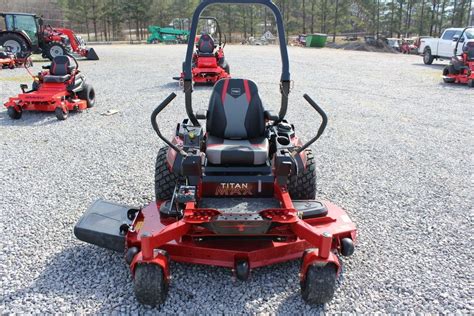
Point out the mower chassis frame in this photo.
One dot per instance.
(46, 99)
(179, 238)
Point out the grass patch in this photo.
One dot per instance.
(16, 79)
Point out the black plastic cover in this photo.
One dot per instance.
(310, 208)
(102, 225)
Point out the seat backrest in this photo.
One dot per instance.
(205, 44)
(61, 66)
(469, 48)
(235, 110)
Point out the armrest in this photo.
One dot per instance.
(271, 116)
(201, 114)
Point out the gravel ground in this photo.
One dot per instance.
(397, 155)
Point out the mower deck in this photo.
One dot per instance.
(209, 75)
(220, 237)
(50, 97)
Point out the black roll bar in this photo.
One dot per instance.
(187, 66)
(459, 39)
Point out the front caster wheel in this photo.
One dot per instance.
(319, 284)
(150, 285)
(242, 270)
(13, 114)
(448, 80)
(347, 247)
(60, 114)
(130, 254)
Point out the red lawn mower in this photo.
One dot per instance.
(238, 193)
(461, 68)
(59, 89)
(11, 60)
(208, 62)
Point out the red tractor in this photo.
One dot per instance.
(461, 68)
(209, 64)
(26, 33)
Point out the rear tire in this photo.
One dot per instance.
(452, 70)
(427, 57)
(150, 285)
(17, 42)
(165, 180)
(88, 94)
(447, 71)
(60, 115)
(319, 284)
(470, 83)
(224, 65)
(13, 114)
(303, 186)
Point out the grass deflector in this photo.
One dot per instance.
(237, 192)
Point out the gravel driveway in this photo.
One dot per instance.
(397, 155)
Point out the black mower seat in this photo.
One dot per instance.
(470, 51)
(206, 46)
(236, 124)
(56, 79)
(242, 152)
(60, 70)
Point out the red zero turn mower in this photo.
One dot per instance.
(461, 68)
(208, 62)
(9, 59)
(60, 89)
(238, 193)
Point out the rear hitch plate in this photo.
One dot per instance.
(239, 224)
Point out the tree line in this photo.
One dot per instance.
(109, 20)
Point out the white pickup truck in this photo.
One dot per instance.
(442, 48)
